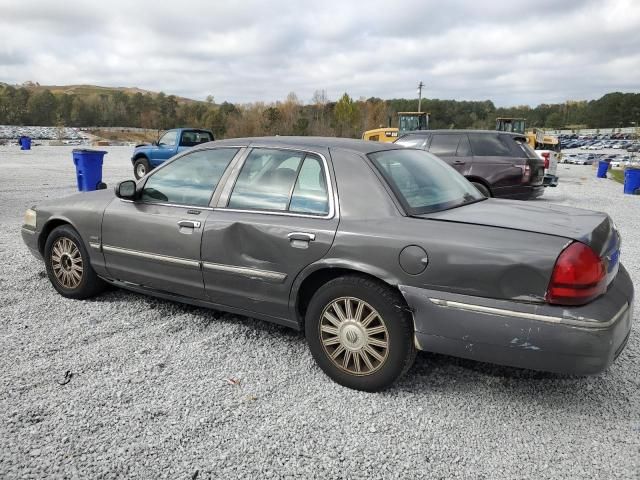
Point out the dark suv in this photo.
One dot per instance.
(499, 164)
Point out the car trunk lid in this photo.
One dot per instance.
(595, 229)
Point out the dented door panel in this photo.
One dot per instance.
(250, 260)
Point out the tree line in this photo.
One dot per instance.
(346, 117)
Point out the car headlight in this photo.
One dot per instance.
(30, 218)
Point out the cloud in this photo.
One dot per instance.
(511, 52)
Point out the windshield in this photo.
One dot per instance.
(422, 182)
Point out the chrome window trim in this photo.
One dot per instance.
(572, 322)
(225, 197)
(271, 212)
(232, 173)
(179, 205)
(268, 275)
(152, 256)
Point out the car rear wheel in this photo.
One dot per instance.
(360, 333)
(68, 266)
(141, 167)
(482, 189)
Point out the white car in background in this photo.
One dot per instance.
(551, 159)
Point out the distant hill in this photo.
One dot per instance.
(87, 90)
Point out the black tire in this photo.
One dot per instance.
(89, 284)
(482, 189)
(141, 167)
(393, 314)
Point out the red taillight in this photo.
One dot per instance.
(545, 157)
(578, 276)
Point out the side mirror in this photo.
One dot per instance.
(126, 190)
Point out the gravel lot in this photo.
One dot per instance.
(148, 395)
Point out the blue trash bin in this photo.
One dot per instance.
(632, 181)
(88, 169)
(25, 143)
(602, 169)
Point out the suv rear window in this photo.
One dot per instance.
(526, 148)
(490, 145)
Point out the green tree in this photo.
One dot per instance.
(345, 114)
(42, 108)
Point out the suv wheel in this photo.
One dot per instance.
(482, 189)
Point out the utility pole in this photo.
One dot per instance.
(420, 85)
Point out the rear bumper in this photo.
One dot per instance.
(550, 180)
(520, 192)
(572, 340)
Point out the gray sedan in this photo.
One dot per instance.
(373, 250)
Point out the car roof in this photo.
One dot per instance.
(354, 145)
(425, 132)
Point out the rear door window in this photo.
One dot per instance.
(445, 145)
(464, 148)
(490, 145)
(310, 192)
(281, 180)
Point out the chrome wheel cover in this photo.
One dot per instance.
(354, 336)
(141, 170)
(66, 263)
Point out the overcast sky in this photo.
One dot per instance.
(511, 52)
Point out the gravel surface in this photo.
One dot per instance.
(147, 394)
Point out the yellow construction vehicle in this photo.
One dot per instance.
(407, 122)
(536, 138)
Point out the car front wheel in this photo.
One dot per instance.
(360, 333)
(68, 266)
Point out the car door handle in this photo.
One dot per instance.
(189, 224)
(302, 236)
(459, 162)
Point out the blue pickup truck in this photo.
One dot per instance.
(148, 156)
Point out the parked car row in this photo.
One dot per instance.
(12, 132)
(591, 158)
(599, 142)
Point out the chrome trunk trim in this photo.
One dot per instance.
(573, 322)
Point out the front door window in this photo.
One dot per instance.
(190, 179)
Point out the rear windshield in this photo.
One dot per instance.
(526, 148)
(191, 138)
(422, 182)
